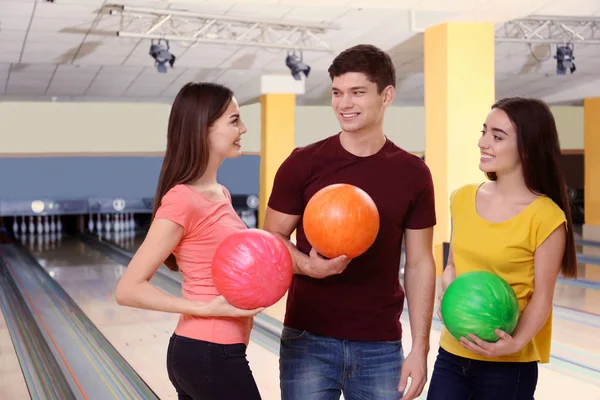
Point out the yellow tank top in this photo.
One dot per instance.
(506, 249)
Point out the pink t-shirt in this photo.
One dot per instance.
(206, 224)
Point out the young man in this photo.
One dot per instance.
(342, 330)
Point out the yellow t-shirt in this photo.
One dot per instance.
(506, 249)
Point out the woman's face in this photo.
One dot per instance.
(498, 144)
(225, 135)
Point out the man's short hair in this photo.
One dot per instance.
(375, 63)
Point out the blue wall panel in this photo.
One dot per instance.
(128, 177)
(241, 175)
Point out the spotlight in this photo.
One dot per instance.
(162, 55)
(296, 66)
(564, 59)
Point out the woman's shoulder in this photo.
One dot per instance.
(546, 217)
(546, 208)
(179, 188)
(179, 193)
(465, 191)
(178, 205)
(226, 192)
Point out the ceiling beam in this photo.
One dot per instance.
(550, 30)
(189, 27)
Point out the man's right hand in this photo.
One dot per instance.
(320, 267)
(282, 225)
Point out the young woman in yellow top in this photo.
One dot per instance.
(518, 226)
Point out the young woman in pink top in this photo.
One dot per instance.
(206, 358)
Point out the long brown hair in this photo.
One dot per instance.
(539, 151)
(196, 107)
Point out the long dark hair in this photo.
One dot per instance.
(196, 107)
(539, 151)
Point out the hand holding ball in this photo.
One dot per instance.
(252, 268)
(479, 302)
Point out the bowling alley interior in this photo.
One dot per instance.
(86, 91)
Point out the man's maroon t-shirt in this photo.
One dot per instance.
(365, 301)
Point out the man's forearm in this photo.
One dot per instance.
(300, 260)
(419, 286)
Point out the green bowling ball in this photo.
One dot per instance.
(479, 302)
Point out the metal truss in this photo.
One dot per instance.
(194, 28)
(550, 30)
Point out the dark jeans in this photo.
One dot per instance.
(458, 378)
(314, 367)
(202, 370)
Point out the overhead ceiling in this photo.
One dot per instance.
(67, 50)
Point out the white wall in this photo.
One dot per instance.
(82, 127)
(569, 122)
(137, 127)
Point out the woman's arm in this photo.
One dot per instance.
(134, 288)
(449, 273)
(548, 259)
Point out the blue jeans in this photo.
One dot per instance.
(315, 367)
(458, 378)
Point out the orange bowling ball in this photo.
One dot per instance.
(341, 219)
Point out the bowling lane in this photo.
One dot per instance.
(12, 383)
(579, 295)
(589, 250)
(131, 241)
(141, 336)
(589, 269)
(588, 253)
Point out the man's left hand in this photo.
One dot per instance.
(415, 367)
